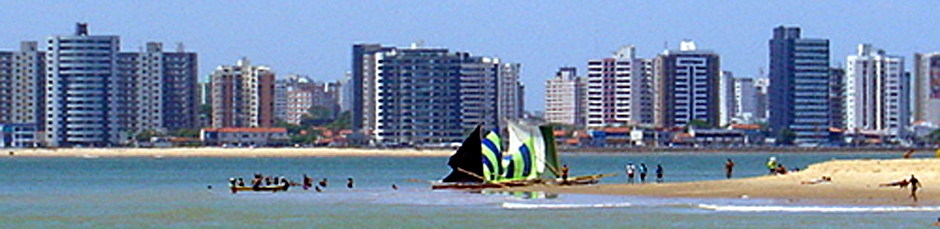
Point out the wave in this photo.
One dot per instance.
(822, 209)
(513, 205)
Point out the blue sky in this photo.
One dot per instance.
(315, 37)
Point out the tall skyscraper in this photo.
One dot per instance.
(762, 85)
(799, 86)
(927, 87)
(242, 95)
(86, 101)
(837, 98)
(510, 92)
(687, 86)
(619, 90)
(565, 97)
(877, 92)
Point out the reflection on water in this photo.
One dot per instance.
(521, 194)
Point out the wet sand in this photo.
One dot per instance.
(854, 182)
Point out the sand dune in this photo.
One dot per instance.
(224, 152)
(853, 182)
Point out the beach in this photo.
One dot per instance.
(225, 152)
(854, 182)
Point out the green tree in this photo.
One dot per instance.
(785, 137)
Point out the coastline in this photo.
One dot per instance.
(224, 152)
(854, 182)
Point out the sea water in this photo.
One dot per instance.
(192, 192)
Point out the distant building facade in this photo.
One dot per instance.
(927, 87)
(619, 90)
(877, 92)
(687, 87)
(565, 98)
(799, 86)
(242, 95)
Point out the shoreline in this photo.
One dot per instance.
(224, 152)
(396, 152)
(854, 182)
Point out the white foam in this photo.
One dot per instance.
(834, 209)
(514, 205)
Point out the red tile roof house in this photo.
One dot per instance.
(244, 137)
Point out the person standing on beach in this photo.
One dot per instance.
(914, 185)
(772, 164)
(642, 173)
(564, 174)
(659, 173)
(630, 172)
(729, 165)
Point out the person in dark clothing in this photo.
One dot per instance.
(729, 166)
(914, 185)
(307, 182)
(349, 182)
(659, 173)
(643, 173)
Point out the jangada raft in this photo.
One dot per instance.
(530, 159)
(265, 188)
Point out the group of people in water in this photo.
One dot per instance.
(260, 182)
(641, 169)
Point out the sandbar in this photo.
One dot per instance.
(854, 182)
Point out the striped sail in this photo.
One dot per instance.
(492, 168)
(526, 158)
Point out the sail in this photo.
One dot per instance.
(551, 155)
(492, 168)
(467, 160)
(526, 153)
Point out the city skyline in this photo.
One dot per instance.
(312, 38)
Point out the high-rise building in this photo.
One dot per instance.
(242, 95)
(762, 85)
(87, 100)
(837, 98)
(799, 87)
(510, 92)
(619, 90)
(163, 89)
(927, 87)
(687, 86)
(431, 95)
(6, 87)
(565, 97)
(345, 96)
(281, 88)
(725, 98)
(877, 92)
(744, 102)
(304, 93)
(363, 86)
(28, 91)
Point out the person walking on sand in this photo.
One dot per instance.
(729, 165)
(914, 185)
(642, 173)
(630, 172)
(659, 173)
(772, 164)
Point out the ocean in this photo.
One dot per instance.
(146, 192)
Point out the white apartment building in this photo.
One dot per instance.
(564, 97)
(927, 87)
(619, 90)
(877, 92)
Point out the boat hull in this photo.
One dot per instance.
(269, 188)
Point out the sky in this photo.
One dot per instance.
(315, 38)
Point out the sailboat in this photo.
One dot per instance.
(530, 156)
(475, 165)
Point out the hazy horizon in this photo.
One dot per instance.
(315, 38)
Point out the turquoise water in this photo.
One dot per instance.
(174, 192)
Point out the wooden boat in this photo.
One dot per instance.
(266, 188)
